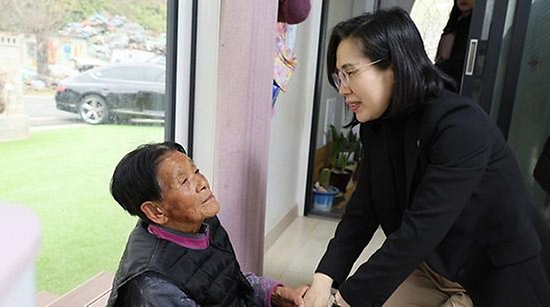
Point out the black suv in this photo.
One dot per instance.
(115, 92)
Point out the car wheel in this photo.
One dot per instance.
(93, 109)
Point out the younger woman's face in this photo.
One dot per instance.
(369, 91)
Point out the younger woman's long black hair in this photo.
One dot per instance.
(391, 35)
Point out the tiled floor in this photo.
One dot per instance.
(294, 256)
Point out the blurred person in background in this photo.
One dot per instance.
(451, 50)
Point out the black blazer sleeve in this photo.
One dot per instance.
(354, 231)
(454, 136)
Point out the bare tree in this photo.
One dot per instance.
(40, 18)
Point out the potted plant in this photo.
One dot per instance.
(323, 192)
(344, 152)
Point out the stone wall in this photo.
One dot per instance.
(14, 124)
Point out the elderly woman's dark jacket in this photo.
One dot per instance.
(211, 276)
(446, 189)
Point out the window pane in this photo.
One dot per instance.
(530, 124)
(430, 16)
(82, 83)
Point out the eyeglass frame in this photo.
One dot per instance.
(340, 78)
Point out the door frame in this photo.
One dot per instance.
(484, 52)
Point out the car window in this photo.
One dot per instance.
(132, 73)
(154, 74)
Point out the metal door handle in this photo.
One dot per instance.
(471, 59)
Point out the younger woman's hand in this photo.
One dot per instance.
(319, 292)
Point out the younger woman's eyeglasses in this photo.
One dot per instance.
(341, 78)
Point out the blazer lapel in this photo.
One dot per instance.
(411, 147)
(383, 183)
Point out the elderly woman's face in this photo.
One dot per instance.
(187, 198)
(369, 89)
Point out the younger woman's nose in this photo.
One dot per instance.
(344, 90)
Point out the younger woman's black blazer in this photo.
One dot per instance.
(446, 189)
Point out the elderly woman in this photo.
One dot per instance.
(438, 177)
(178, 254)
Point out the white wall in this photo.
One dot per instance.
(206, 92)
(290, 127)
(291, 123)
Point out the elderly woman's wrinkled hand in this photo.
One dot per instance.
(288, 296)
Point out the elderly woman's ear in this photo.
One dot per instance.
(154, 212)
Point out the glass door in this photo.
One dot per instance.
(507, 72)
(526, 110)
(492, 60)
(487, 55)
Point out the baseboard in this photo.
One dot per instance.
(272, 235)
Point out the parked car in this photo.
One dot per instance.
(114, 92)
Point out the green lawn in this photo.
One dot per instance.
(63, 176)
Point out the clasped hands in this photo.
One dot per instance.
(316, 295)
